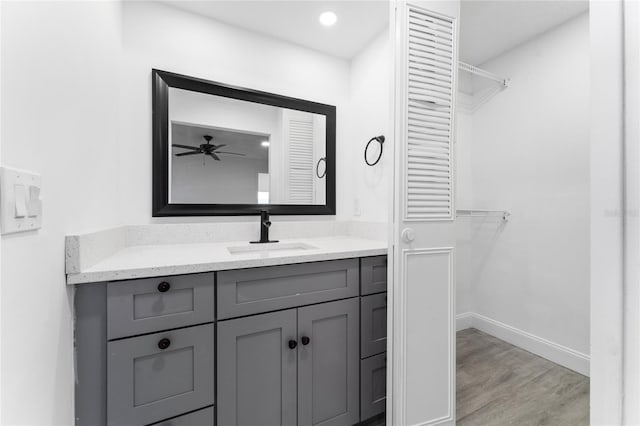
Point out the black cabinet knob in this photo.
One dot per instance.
(164, 343)
(305, 340)
(164, 286)
(292, 344)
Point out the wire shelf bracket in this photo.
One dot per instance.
(484, 213)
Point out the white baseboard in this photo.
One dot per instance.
(554, 352)
(464, 321)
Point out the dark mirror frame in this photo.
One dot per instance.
(162, 81)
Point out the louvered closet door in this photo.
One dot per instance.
(423, 380)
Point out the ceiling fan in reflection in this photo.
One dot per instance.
(206, 149)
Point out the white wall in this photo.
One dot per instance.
(59, 86)
(530, 155)
(370, 79)
(464, 194)
(158, 36)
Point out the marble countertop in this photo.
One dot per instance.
(174, 259)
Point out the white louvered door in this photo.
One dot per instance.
(299, 157)
(423, 374)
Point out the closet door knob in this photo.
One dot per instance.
(164, 343)
(164, 287)
(305, 340)
(408, 235)
(292, 344)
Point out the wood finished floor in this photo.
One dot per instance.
(499, 384)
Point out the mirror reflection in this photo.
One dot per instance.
(230, 151)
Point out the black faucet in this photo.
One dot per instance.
(265, 223)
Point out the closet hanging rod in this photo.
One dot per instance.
(484, 213)
(482, 73)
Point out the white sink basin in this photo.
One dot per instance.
(269, 247)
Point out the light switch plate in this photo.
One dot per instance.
(20, 203)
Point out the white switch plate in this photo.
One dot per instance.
(28, 184)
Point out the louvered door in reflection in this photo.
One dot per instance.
(299, 152)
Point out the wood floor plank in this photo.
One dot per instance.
(499, 384)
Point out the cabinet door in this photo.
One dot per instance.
(257, 370)
(373, 275)
(157, 376)
(257, 290)
(373, 323)
(153, 304)
(328, 364)
(373, 386)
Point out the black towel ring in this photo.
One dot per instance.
(380, 139)
(318, 166)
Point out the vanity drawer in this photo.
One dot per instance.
(153, 304)
(373, 323)
(373, 386)
(373, 274)
(197, 418)
(252, 291)
(146, 383)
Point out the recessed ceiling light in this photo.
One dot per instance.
(328, 19)
(265, 143)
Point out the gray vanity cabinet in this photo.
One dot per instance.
(288, 345)
(257, 370)
(328, 371)
(293, 367)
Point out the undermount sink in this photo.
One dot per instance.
(269, 247)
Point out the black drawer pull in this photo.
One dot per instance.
(164, 343)
(305, 340)
(164, 286)
(292, 344)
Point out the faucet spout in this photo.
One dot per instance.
(265, 224)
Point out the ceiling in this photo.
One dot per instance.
(489, 28)
(359, 21)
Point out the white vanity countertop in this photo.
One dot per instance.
(175, 259)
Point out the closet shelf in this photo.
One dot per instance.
(484, 213)
(471, 102)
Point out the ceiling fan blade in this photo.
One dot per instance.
(215, 157)
(219, 146)
(185, 146)
(188, 153)
(232, 153)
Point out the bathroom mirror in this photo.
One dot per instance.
(224, 150)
